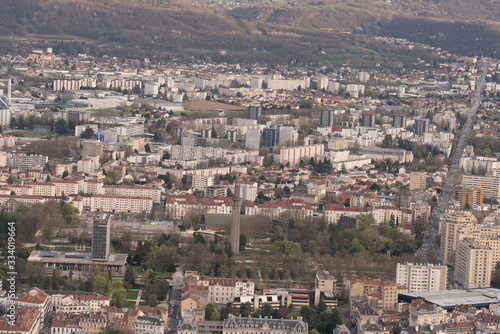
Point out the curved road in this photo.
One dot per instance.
(431, 236)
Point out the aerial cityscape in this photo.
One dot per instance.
(250, 167)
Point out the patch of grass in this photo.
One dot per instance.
(164, 274)
(130, 304)
(31, 134)
(105, 112)
(245, 253)
(132, 294)
(143, 304)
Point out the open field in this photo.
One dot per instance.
(106, 112)
(210, 106)
(31, 134)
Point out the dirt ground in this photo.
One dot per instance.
(210, 106)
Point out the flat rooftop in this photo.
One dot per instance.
(451, 298)
(44, 256)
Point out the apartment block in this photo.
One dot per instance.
(287, 135)
(92, 147)
(453, 227)
(490, 185)
(418, 181)
(113, 203)
(421, 277)
(473, 264)
(248, 191)
(26, 161)
(133, 191)
(468, 197)
(338, 144)
(293, 155)
(88, 164)
(223, 290)
(253, 139)
(358, 288)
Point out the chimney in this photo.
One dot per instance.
(9, 90)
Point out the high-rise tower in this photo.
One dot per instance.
(101, 236)
(235, 220)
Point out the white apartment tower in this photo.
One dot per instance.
(253, 139)
(421, 277)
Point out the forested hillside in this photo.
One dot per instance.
(263, 31)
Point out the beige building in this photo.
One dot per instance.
(418, 181)
(474, 250)
(133, 191)
(92, 147)
(452, 222)
(473, 264)
(338, 144)
(358, 288)
(489, 184)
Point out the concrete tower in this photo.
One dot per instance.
(235, 221)
(9, 91)
(101, 236)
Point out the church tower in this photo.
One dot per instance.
(235, 220)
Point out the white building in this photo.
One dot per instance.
(248, 191)
(151, 89)
(88, 164)
(148, 325)
(287, 135)
(421, 277)
(293, 155)
(253, 139)
(80, 128)
(223, 290)
(5, 117)
(26, 161)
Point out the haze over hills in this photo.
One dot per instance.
(266, 31)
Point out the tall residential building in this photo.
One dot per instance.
(473, 264)
(101, 236)
(418, 181)
(5, 117)
(421, 277)
(327, 117)
(235, 220)
(421, 126)
(489, 184)
(253, 139)
(453, 227)
(287, 135)
(468, 197)
(368, 120)
(248, 191)
(254, 112)
(92, 147)
(269, 137)
(399, 121)
(232, 135)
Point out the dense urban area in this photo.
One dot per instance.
(163, 197)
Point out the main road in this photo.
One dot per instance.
(431, 235)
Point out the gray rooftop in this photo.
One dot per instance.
(40, 256)
(451, 298)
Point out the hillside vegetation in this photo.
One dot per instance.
(266, 31)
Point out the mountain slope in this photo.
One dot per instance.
(254, 31)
